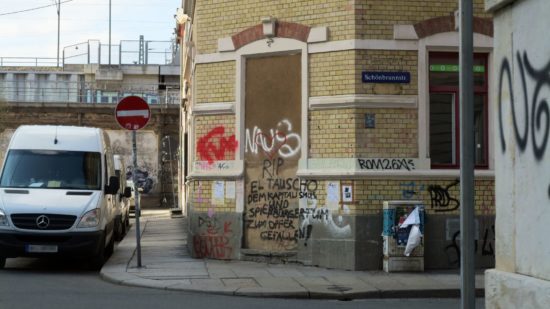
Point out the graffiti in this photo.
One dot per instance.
(537, 119)
(533, 120)
(143, 180)
(410, 189)
(215, 247)
(214, 145)
(487, 246)
(272, 201)
(281, 141)
(322, 216)
(215, 239)
(441, 199)
(220, 166)
(386, 164)
(278, 141)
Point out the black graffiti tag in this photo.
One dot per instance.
(538, 117)
(441, 199)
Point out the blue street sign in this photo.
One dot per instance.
(386, 77)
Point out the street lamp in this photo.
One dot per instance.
(58, 5)
(109, 32)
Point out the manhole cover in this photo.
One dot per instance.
(339, 288)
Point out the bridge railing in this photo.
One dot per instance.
(84, 92)
(28, 62)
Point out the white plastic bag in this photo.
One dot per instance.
(414, 239)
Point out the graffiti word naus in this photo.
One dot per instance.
(214, 145)
(280, 140)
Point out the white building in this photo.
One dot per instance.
(521, 278)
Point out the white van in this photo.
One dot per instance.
(57, 194)
(122, 219)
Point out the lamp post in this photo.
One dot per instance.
(109, 32)
(58, 5)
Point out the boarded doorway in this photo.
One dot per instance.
(272, 150)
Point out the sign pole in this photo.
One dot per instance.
(133, 113)
(467, 155)
(136, 198)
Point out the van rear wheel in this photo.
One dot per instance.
(2, 262)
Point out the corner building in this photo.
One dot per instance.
(302, 117)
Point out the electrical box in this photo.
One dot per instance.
(395, 238)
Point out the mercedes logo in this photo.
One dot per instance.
(42, 222)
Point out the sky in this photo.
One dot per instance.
(34, 33)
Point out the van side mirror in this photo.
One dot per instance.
(113, 186)
(127, 192)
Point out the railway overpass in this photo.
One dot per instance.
(86, 95)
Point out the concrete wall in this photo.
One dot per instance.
(522, 88)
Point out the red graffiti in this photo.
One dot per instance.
(215, 247)
(214, 145)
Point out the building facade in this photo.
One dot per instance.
(300, 118)
(521, 278)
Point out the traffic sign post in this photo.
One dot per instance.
(133, 113)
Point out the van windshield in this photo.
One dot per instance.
(52, 169)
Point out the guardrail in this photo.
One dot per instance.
(82, 92)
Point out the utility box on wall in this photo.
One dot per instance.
(395, 238)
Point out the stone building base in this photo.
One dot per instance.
(511, 290)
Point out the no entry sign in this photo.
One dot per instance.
(132, 113)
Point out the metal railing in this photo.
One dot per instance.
(83, 92)
(127, 52)
(28, 61)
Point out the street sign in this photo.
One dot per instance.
(386, 77)
(132, 113)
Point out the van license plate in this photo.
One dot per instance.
(41, 248)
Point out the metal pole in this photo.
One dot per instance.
(467, 226)
(175, 205)
(136, 198)
(109, 32)
(58, 27)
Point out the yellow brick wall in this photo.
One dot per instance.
(332, 73)
(200, 198)
(379, 16)
(342, 134)
(215, 82)
(205, 124)
(216, 19)
(395, 134)
(332, 133)
(387, 60)
(369, 194)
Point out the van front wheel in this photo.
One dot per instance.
(97, 261)
(2, 262)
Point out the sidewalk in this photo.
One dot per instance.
(166, 264)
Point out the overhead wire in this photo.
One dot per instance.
(34, 9)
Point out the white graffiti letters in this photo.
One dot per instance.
(280, 140)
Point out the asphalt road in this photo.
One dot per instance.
(32, 283)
